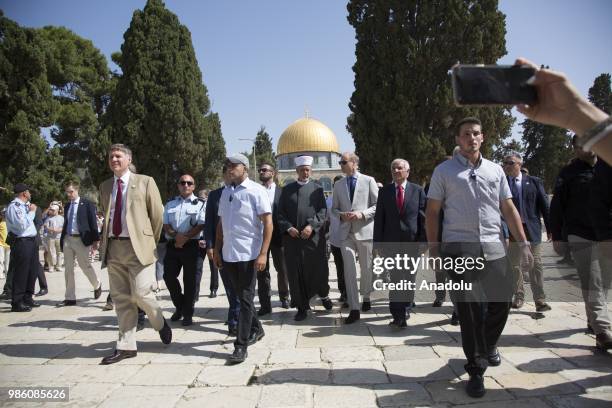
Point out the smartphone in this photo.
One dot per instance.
(493, 85)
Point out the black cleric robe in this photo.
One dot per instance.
(306, 260)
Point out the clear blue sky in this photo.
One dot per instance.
(265, 62)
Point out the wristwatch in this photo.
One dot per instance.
(524, 244)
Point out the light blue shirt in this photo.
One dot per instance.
(20, 220)
(182, 214)
(239, 209)
(72, 214)
(519, 186)
(471, 197)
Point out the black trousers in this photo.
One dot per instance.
(214, 274)
(242, 275)
(339, 269)
(483, 321)
(24, 255)
(187, 259)
(264, 288)
(42, 279)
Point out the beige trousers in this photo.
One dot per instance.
(131, 286)
(74, 248)
(350, 248)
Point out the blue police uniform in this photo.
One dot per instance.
(24, 254)
(182, 214)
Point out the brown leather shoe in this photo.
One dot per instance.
(603, 341)
(518, 302)
(542, 306)
(98, 292)
(165, 334)
(117, 356)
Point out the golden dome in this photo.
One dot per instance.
(307, 135)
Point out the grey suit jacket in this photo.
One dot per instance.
(364, 201)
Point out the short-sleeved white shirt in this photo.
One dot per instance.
(239, 209)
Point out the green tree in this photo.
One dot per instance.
(547, 149)
(600, 93)
(160, 103)
(263, 147)
(26, 106)
(500, 152)
(211, 177)
(402, 105)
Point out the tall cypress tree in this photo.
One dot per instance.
(210, 176)
(600, 93)
(263, 147)
(402, 105)
(160, 103)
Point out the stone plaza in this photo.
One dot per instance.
(546, 361)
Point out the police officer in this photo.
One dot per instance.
(20, 221)
(183, 222)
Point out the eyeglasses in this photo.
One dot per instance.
(342, 162)
(186, 183)
(264, 170)
(509, 163)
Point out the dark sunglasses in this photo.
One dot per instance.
(264, 170)
(509, 163)
(186, 183)
(342, 162)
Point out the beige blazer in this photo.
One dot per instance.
(364, 201)
(143, 216)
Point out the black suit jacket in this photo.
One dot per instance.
(212, 217)
(86, 218)
(534, 202)
(390, 226)
(277, 235)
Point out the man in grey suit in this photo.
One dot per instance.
(354, 202)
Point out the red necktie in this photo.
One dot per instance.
(117, 213)
(400, 199)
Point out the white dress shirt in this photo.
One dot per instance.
(74, 207)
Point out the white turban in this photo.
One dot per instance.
(303, 161)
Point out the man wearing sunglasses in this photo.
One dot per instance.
(183, 223)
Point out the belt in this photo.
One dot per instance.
(26, 238)
(120, 238)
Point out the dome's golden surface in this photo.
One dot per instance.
(307, 135)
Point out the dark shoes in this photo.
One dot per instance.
(98, 292)
(42, 292)
(603, 341)
(300, 315)
(344, 305)
(20, 307)
(475, 386)
(542, 306)
(437, 303)
(454, 320)
(353, 316)
(366, 305)
(31, 303)
(66, 303)
(187, 321)
(108, 306)
(494, 358)
(284, 304)
(398, 323)
(117, 356)
(165, 334)
(327, 303)
(264, 311)
(256, 336)
(213, 294)
(176, 316)
(140, 325)
(232, 331)
(238, 356)
(518, 302)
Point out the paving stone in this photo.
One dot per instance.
(357, 353)
(87, 395)
(453, 391)
(426, 370)
(408, 352)
(144, 396)
(597, 400)
(30, 353)
(344, 397)
(33, 374)
(115, 373)
(388, 336)
(521, 403)
(402, 395)
(238, 374)
(220, 397)
(599, 380)
(301, 373)
(536, 384)
(540, 361)
(305, 355)
(359, 372)
(286, 396)
(86, 353)
(353, 335)
(165, 374)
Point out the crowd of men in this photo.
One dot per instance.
(245, 225)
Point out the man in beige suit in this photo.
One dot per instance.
(133, 213)
(354, 202)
